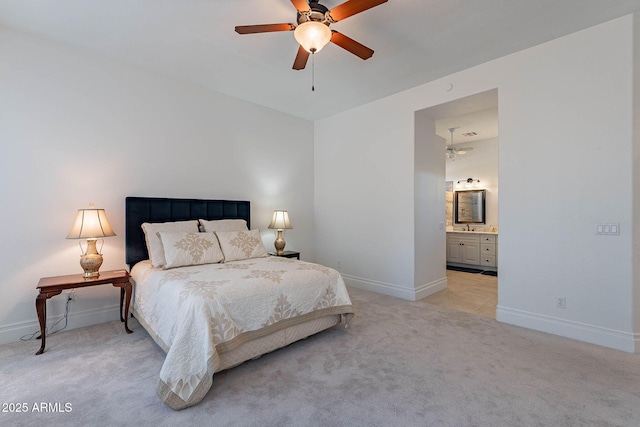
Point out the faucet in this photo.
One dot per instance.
(468, 229)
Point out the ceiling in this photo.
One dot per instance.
(415, 41)
(474, 118)
(478, 126)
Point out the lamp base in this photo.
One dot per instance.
(91, 260)
(279, 243)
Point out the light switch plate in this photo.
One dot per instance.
(608, 229)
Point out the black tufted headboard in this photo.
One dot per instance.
(152, 209)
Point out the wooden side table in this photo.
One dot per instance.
(287, 254)
(52, 286)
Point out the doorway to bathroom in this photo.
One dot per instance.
(466, 133)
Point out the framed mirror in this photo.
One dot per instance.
(470, 206)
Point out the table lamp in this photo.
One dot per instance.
(91, 224)
(280, 221)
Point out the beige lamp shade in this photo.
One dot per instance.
(280, 220)
(312, 35)
(90, 224)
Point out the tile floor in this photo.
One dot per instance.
(468, 292)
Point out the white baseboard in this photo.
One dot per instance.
(395, 290)
(619, 340)
(427, 289)
(12, 333)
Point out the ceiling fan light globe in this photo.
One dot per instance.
(312, 36)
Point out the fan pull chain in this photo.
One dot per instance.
(313, 70)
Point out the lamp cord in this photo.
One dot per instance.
(46, 329)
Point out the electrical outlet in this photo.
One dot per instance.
(339, 265)
(70, 295)
(561, 302)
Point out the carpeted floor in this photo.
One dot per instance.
(401, 364)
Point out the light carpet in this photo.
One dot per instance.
(400, 364)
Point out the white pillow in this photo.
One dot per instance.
(237, 245)
(184, 248)
(224, 225)
(154, 245)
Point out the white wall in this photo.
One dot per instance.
(636, 177)
(565, 111)
(364, 218)
(482, 164)
(430, 210)
(77, 128)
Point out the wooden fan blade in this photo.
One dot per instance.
(301, 5)
(351, 7)
(301, 59)
(351, 45)
(264, 28)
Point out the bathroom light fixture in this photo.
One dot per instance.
(280, 221)
(469, 182)
(91, 224)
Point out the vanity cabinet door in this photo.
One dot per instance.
(463, 248)
(470, 252)
(454, 250)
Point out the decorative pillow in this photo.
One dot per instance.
(224, 225)
(154, 245)
(184, 248)
(237, 245)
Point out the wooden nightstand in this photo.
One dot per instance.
(52, 286)
(287, 254)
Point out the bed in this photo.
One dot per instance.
(209, 314)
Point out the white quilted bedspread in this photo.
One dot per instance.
(196, 312)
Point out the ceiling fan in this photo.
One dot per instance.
(312, 31)
(452, 151)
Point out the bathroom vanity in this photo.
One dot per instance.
(476, 249)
